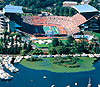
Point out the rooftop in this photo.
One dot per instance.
(12, 9)
(69, 2)
(84, 8)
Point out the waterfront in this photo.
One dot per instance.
(24, 78)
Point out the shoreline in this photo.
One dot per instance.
(85, 62)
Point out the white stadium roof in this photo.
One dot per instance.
(70, 2)
(84, 8)
(12, 9)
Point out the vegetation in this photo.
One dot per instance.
(72, 46)
(95, 4)
(36, 6)
(96, 34)
(23, 52)
(47, 64)
(13, 44)
(32, 59)
(35, 52)
(66, 62)
(52, 6)
(40, 45)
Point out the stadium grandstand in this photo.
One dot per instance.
(47, 26)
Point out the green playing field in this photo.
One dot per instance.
(52, 29)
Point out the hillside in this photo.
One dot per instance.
(53, 6)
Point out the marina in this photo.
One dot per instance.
(6, 62)
(30, 77)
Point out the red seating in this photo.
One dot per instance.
(65, 25)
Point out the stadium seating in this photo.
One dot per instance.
(58, 24)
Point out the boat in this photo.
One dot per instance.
(98, 85)
(44, 77)
(53, 86)
(76, 84)
(89, 83)
(68, 86)
(31, 80)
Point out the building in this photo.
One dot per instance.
(5, 22)
(12, 9)
(39, 26)
(91, 15)
(69, 3)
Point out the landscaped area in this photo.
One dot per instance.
(86, 64)
(40, 45)
(96, 34)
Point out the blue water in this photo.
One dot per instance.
(23, 77)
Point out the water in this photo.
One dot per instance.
(23, 77)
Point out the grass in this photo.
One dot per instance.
(85, 65)
(96, 34)
(64, 41)
(40, 45)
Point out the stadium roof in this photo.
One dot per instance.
(70, 2)
(12, 9)
(84, 8)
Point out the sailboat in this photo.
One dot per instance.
(89, 83)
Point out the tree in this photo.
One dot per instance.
(29, 46)
(70, 12)
(16, 39)
(70, 39)
(59, 50)
(61, 43)
(67, 43)
(1, 39)
(25, 46)
(55, 42)
(66, 50)
(65, 11)
(52, 50)
(61, 11)
(94, 3)
(82, 47)
(57, 10)
(1, 49)
(23, 52)
(36, 52)
(40, 52)
(16, 48)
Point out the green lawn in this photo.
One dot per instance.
(64, 41)
(97, 35)
(40, 45)
(46, 64)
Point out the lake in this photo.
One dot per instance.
(23, 77)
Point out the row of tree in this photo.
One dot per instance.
(62, 11)
(11, 45)
(73, 47)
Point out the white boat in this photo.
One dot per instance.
(89, 83)
(98, 85)
(44, 77)
(76, 84)
(68, 86)
(53, 86)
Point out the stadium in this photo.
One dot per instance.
(54, 26)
